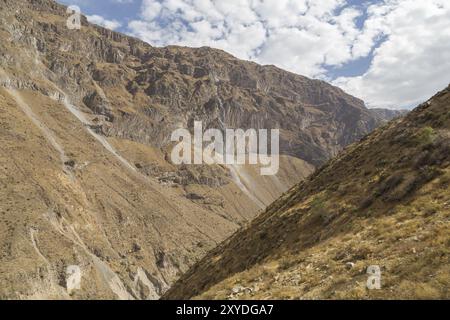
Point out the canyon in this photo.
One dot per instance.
(85, 172)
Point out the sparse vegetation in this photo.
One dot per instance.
(391, 207)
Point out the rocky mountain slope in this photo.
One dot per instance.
(85, 173)
(387, 115)
(384, 201)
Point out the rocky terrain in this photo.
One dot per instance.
(388, 115)
(85, 172)
(384, 202)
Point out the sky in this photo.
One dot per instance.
(391, 53)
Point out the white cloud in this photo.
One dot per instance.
(298, 35)
(306, 36)
(413, 63)
(109, 24)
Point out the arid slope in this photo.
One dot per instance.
(384, 201)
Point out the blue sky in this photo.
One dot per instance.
(390, 53)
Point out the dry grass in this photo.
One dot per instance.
(384, 201)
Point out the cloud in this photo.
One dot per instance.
(122, 1)
(109, 24)
(308, 37)
(298, 35)
(413, 63)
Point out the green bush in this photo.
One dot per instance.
(426, 135)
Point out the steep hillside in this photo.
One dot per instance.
(384, 201)
(85, 172)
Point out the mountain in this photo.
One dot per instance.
(383, 202)
(85, 172)
(387, 114)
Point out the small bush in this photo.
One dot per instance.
(318, 209)
(412, 183)
(426, 135)
(367, 202)
(389, 184)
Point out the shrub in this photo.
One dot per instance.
(426, 135)
(389, 184)
(412, 183)
(318, 209)
(367, 202)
